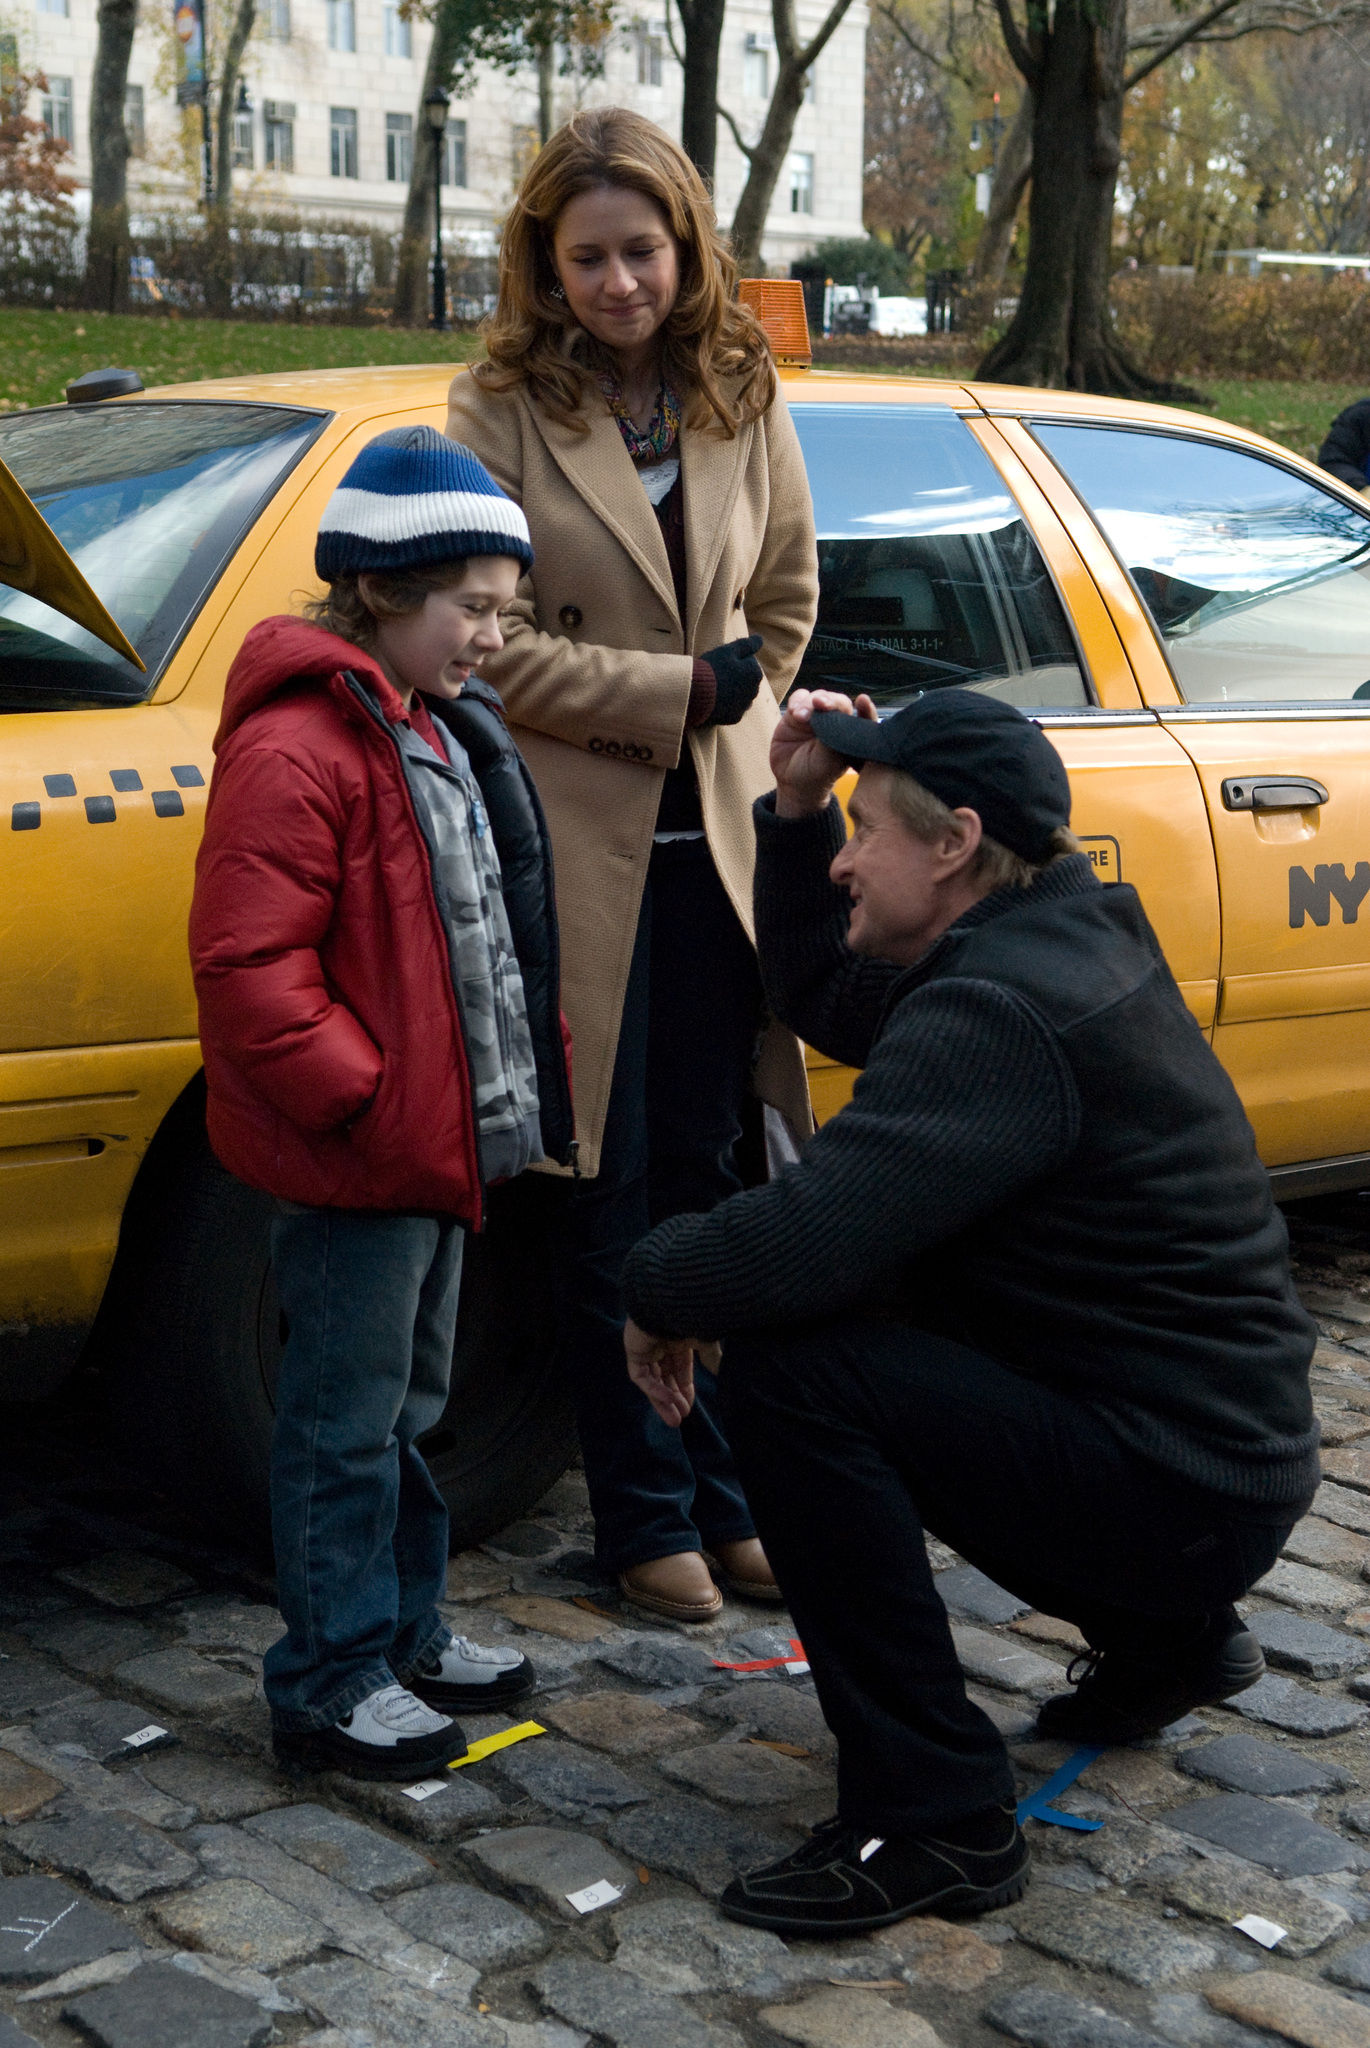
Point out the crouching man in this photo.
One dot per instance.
(1027, 1291)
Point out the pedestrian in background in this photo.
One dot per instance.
(379, 1047)
(1346, 451)
(630, 405)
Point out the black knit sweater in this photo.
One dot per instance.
(1042, 1158)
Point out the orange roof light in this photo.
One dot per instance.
(778, 303)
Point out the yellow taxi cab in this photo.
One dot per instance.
(1184, 607)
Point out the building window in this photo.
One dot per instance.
(342, 141)
(399, 148)
(241, 150)
(756, 69)
(342, 24)
(62, 7)
(801, 182)
(648, 58)
(454, 154)
(809, 77)
(278, 20)
(57, 109)
(135, 126)
(278, 131)
(398, 40)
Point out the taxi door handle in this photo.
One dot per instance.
(1272, 793)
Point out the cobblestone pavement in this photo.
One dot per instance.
(162, 1886)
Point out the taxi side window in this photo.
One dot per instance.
(1257, 580)
(928, 574)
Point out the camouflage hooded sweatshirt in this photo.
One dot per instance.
(485, 969)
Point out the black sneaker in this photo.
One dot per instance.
(844, 1881)
(390, 1738)
(467, 1676)
(1120, 1698)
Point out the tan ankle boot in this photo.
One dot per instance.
(744, 1570)
(678, 1587)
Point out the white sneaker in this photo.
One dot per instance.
(390, 1736)
(391, 1716)
(466, 1674)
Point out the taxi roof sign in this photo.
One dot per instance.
(778, 303)
(33, 560)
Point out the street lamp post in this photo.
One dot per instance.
(435, 106)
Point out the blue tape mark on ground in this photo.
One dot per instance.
(1035, 1806)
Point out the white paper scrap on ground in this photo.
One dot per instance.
(594, 1896)
(426, 1788)
(797, 1669)
(143, 1735)
(1266, 1932)
(875, 1842)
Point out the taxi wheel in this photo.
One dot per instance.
(192, 1344)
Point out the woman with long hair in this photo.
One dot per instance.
(629, 403)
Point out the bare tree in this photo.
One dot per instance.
(244, 20)
(795, 60)
(701, 23)
(909, 175)
(465, 34)
(957, 54)
(107, 241)
(1011, 174)
(450, 56)
(1073, 57)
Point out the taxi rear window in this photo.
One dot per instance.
(150, 500)
(928, 574)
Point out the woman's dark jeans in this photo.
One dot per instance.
(685, 1046)
(360, 1530)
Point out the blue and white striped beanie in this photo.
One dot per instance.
(412, 496)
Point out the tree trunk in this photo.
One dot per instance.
(546, 80)
(243, 20)
(107, 243)
(1011, 174)
(763, 173)
(795, 61)
(450, 29)
(1062, 337)
(702, 21)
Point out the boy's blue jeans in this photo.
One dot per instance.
(360, 1530)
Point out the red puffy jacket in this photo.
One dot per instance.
(332, 1038)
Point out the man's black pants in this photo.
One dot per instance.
(853, 1438)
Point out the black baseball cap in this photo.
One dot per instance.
(969, 750)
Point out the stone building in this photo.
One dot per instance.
(332, 90)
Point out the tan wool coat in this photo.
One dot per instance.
(595, 677)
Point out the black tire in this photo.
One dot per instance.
(191, 1341)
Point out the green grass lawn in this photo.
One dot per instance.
(41, 352)
(1296, 415)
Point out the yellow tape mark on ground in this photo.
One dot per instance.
(488, 1744)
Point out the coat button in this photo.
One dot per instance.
(571, 616)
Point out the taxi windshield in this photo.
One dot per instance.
(150, 500)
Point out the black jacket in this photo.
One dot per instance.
(1043, 1159)
(1346, 451)
(476, 721)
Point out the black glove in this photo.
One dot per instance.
(738, 675)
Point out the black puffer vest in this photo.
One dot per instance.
(476, 721)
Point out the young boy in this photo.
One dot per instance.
(382, 1040)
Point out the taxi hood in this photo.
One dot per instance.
(281, 652)
(33, 560)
